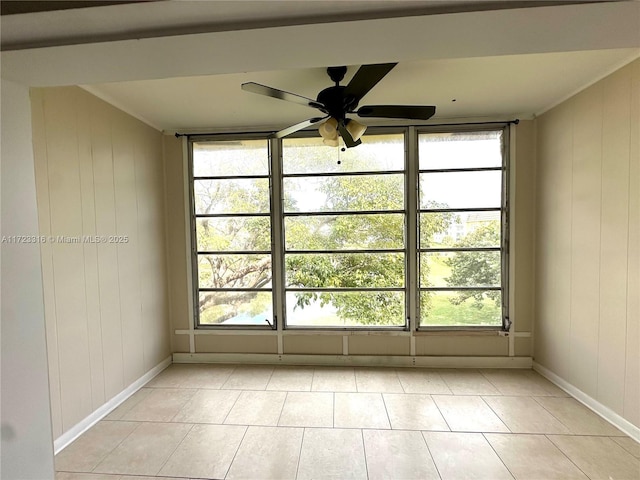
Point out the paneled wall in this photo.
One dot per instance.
(460, 345)
(100, 195)
(587, 328)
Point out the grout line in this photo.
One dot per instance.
(232, 406)
(246, 429)
(177, 446)
(497, 415)
(440, 412)
(286, 395)
(569, 430)
(364, 451)
(300, 452)
(384, 404)
(118, 444)
(484, 435)
(547, 436)
(433, 460)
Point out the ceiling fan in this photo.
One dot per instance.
(341, 100)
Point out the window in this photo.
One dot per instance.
(232, 223)
(460, 228)
(360, 239)
(344, 223)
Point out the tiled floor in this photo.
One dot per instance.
(262, 422)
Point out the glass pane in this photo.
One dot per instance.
(461, 189)
(460, 150)
(376, 153)
(344, 193)
(248, 195)
(345, 232)
(347, 270)
(233, 233)
(460, 269)
(460, 308)
(460, 229)
(345, 309)
(234, 271)
(231, 158)
(235, 308)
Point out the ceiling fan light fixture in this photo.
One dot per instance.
(331, 142)
(329, 130)
(356, 129)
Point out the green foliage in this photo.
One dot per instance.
(476, 268)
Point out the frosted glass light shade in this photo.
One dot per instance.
(356, 129)
(328, 130)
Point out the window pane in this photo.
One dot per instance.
(345, 309)
(235, 308)
(232, 196)
(233, 233)
(233, 158)
(344, 193)
(376, 153)
(460, 308)
(360, 270)
(460, 269)
(345, 232)
(234, 271)
(461, 189)
(460, 229)
(460, 150)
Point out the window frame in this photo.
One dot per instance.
(411, 214)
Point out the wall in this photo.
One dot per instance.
(99, 174)
(26, 417)
(405, 344)
(587, 324)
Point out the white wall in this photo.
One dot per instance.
(99, 173)
(27, 448)
(587, 325)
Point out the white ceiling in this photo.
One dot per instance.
(497, 64)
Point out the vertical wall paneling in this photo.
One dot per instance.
(614, 240)
(100, 191)
(632, 374)
(68, 258)
(587, 265)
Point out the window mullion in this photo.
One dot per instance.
(411, 207)
(277, 234)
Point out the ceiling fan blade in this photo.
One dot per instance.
(279, 94)
(366, 78)
(346, 136)
(413, 112)
(298, 126)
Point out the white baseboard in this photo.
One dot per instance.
(86, 423)
(602, 410)
(355, 360)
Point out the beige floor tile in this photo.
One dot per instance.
(578, 418)
(334, 379)
(145, 450)
(206, 452)
(291, 379)
(422, 381)
(519, 382)
(468, 414)
(461, 456)
(332, 454)
(207, 406)
(360, 410)
(629, 444)
(397, 454)
(598, 457)
(267, 453)
(379, 380)
(138, 477)
(533, 457)
(85, 476)
(256, 408)
(161, 405)
(128, 404)
(91, 447)
(524, 415)
(307, 409)
(413, 412)
(248, 378)
(173, 376)
(208, 376)
(468, 382)
(553, 390)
